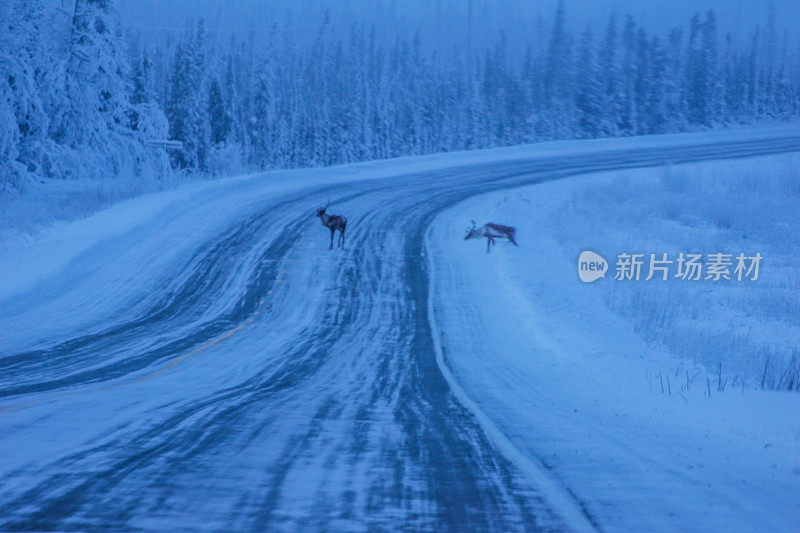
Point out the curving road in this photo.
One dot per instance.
(256, 380)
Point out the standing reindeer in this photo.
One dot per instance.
(491, 231)
(333, 223)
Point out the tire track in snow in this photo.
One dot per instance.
(343, 420)
(570, 509)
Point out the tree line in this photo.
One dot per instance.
(352, 99)
(80, 101)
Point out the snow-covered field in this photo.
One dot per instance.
(573, 372)
(199, 357)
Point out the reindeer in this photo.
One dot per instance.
(333, 223)
(491, 231)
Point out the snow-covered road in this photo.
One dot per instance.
(200, 360)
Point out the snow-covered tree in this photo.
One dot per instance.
(75, 103)
(66, 82)
(590, 97)
(23, 118)
(187, 105)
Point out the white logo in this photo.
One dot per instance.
(591, 266)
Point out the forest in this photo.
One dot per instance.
(80, 97)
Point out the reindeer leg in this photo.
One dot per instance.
(341, 234)
(488, 243)
(332, 232)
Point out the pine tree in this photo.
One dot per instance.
(95, 95)
(675, 87)
(23, 113)
(713, 91)
(91, 114)
(186, 109)
(589, 99)
(657, 95)
(629, 72)
(609, 70)
(219, 121)
(555, 52)
(697, 74)
(643, 85)
(140, 92)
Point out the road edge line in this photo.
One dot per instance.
(553, 491)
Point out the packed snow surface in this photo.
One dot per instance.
(199, 357)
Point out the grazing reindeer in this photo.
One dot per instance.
(491, 231)
(333, 223)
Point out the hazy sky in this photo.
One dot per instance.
(445, 21)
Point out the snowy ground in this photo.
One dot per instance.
(199, 357)
(37, 208)
(572, 372)
(37, 205)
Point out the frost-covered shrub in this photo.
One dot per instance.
(225, 158)
(747, 331)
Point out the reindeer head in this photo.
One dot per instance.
(321, 211)
(471, 232)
